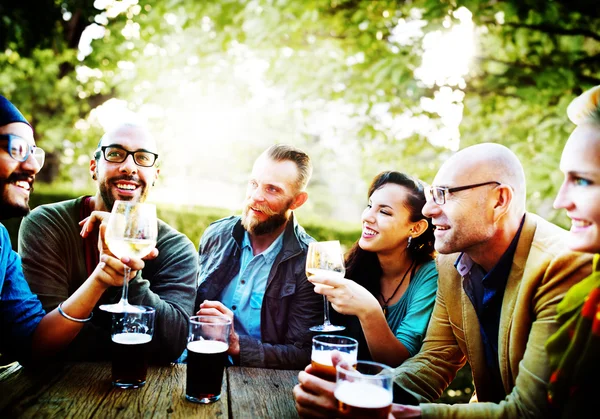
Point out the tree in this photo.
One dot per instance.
(358, 59)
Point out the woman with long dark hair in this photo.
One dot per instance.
(387, 298)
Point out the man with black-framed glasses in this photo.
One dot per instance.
(502, 271)
(27, 332)
(125, 166)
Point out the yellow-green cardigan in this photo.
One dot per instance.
(543, 270)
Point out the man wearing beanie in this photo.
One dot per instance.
(27, 333)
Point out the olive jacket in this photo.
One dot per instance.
(543, 269)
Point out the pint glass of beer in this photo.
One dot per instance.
(208, 342)
(131, 335)
(323, 346)
(364, 391)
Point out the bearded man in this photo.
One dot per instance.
(59, 255)
(252, 268)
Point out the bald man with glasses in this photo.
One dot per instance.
(502, 270)
(58, 255)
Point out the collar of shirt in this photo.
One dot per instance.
(270, 254)
(464, 263)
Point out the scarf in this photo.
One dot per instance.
(574, 350)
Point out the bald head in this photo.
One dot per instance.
(484, 163)
(129, 130)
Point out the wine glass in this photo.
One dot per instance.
(325, 258)
(131, 231)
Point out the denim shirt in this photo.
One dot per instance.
(20, 309)
(244, 294)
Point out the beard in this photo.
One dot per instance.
(273, 222)
(106, 188)
(8, 207)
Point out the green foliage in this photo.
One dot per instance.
(532, 58)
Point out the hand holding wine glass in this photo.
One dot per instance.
(131, 231)
(325, 258)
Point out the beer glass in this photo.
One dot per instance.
(364, 391)
(131, 335)
(324, 345)
(208, 342)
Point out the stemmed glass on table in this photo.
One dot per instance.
(325, 258)
(131, 231)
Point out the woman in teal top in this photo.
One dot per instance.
(387, 298)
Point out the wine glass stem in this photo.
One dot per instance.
(125, 285)
(326, 321)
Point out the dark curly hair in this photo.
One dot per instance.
(363, 266)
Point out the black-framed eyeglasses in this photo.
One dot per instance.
(438, 193)
(20, 150)
(117, 154)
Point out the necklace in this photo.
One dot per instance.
(385, 302)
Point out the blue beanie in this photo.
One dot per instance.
(9, 113)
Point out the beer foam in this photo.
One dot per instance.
(207, 346)
(131, 338)
(324, 357)
(363, 395)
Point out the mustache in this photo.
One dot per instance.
(262, 208)
(15, 177)
(126, 177)
(20, 176)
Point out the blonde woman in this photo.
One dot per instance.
(574, 351)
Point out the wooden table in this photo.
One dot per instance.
(84, 390)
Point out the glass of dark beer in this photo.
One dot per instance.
(323, 346)
(364, 390)
(208, 342)
(131, 336)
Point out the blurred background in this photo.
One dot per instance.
(362, 86)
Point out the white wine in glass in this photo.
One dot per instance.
(325, 258)
(131, 231)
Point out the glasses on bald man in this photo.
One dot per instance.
(438, 193)
(117, 154)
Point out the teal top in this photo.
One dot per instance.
(408, 318)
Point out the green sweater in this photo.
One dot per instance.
(53, 255)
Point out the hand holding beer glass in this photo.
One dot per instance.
(325, 258)
(131, 335)
(323, 346)
(364, 390)
(208, 342)
(132, 231)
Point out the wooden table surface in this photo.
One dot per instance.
(84, 390)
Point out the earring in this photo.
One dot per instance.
(94, 176)
(409, 242)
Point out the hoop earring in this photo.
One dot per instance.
(409, 242)
(94, 177)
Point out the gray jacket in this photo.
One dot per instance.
(290, 305)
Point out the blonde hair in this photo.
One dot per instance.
(585, 108)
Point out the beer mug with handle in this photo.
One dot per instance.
(208, 342)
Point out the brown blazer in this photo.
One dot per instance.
(543, 270)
